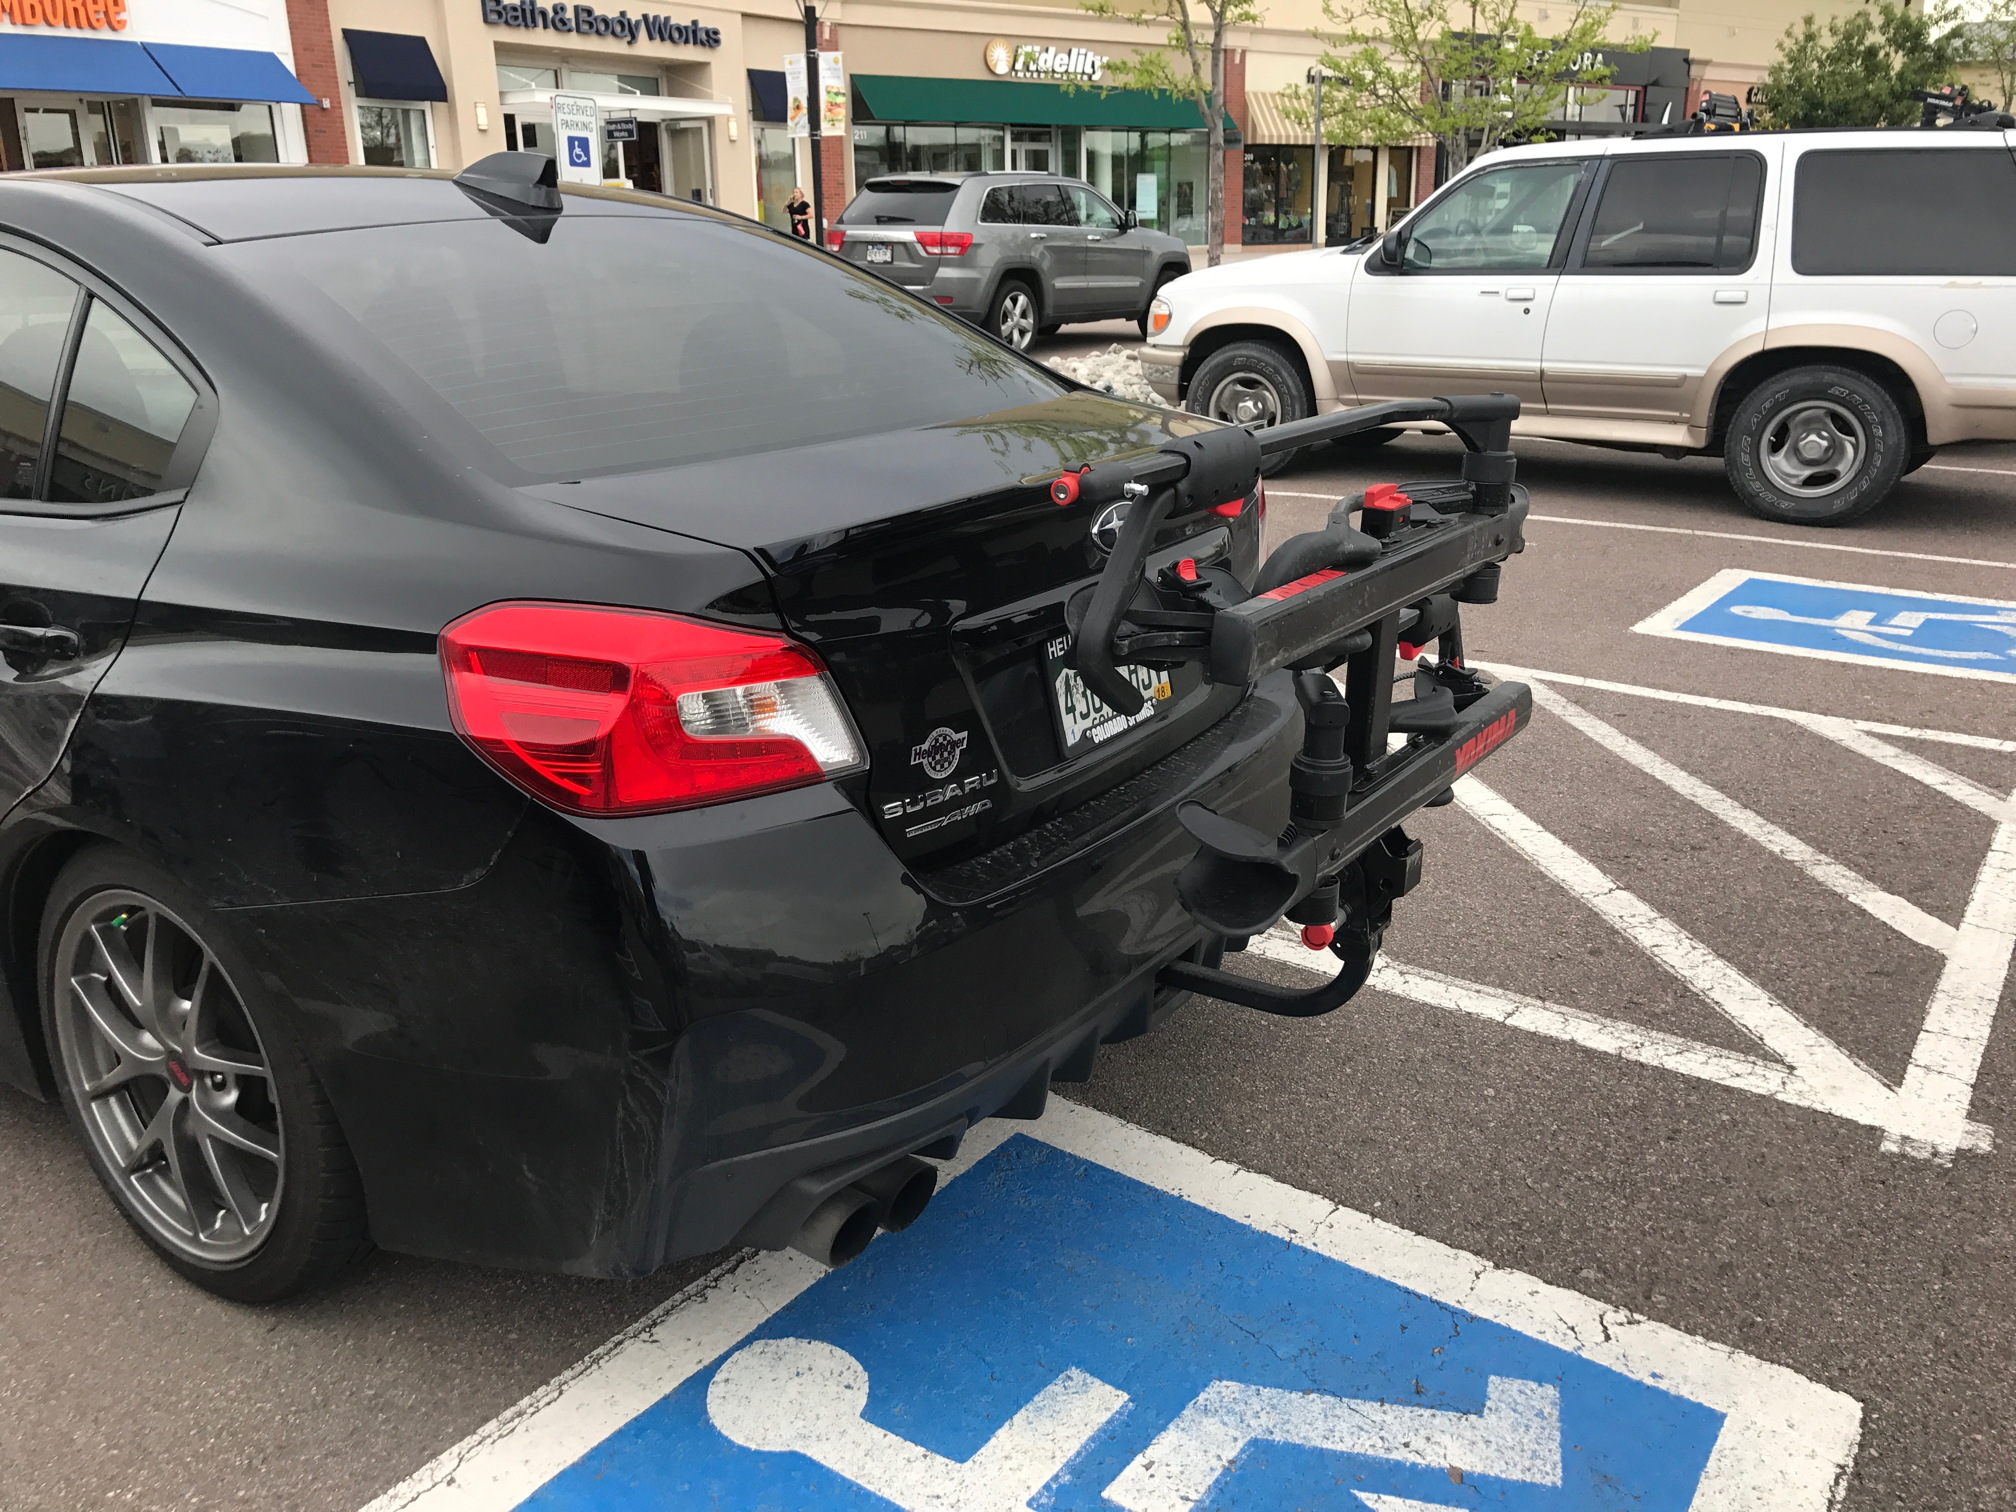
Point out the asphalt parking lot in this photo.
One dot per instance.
(1693, 1018)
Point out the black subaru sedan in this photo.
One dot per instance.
(542, 728)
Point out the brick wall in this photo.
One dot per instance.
(315, 65)
(1235, 157)
(833, 179)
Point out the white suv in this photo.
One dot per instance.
(1820, 309)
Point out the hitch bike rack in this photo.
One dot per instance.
(1361, 598)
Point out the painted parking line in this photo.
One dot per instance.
(1094, 1317)
(1941, 633)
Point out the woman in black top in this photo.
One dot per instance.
(799, 209)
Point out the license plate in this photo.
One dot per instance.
(1083, 718)
(881, 252)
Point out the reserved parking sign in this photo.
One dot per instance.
(1851, 622)
(1091, 1317)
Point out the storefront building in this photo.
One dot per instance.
(89, 83)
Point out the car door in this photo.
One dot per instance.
(1664, 277)
(1467, 306)
(1117, 256)
(1059, 249)
(91, 417)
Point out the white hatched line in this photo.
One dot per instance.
(1939, 1083)
(1910, 764)
(1827, 1069)
(1735, 706)
(1900, 914)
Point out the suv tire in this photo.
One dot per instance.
(1015, 315)
(208, 1129)
(1816, 446)
(1248, 381)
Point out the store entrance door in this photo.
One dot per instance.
(686, 168)
(78, 133)
(1031, 150)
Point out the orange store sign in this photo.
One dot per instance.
(78, 15)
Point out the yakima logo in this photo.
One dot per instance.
(1485, 741)
(939, 754)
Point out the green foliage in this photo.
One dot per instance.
(1990, 43)
(1861, 69)
(1408, 70)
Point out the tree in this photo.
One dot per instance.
(1190, 64)
(1862, 69)
(1409, 71)
(1990, 44)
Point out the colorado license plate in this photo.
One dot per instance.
(881, 252)
(1083, 718)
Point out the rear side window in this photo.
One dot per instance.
(633, 342)
(1043, 205)
(1000, 209)
(122, 415)
(1937, 213)
(1696, 212)
(900, 202)
(35, 308)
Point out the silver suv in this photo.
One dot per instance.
(1019, 254)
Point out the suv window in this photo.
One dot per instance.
(632, 342)
(1698, 211)
(1092, 210)
(1044, 205)
(35, 307)
(1000, 209)
(1501, 220)
(900, 202)
(1940, 213)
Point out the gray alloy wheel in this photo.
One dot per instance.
(1816, 448)
(1015, 316)
(1244, 399)
(169, 1078)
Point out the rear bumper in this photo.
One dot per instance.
(640, 1040)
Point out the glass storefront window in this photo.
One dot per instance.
(393, 136)
(876, 151)
(1399, 182)
(116, 133)
(614, 83)
(191, 131)
(777, 171)
(52, 138)
(915, 147)
(512, 76)
(1277, 195)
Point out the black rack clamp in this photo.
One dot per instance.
(1343, 596)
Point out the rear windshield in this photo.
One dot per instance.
(900, 202)
(639, 342)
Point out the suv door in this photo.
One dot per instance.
(1058, 249)
(1118, 259)
(1468, 305)
(1663, 279)
(91, 414)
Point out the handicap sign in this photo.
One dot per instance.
(1091, 1317)
(1851, 622)
(579, 153)
(577, 126)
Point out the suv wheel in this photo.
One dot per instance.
(200, 1114)
(1014, 317)
(1816, 446)
(1248, 382)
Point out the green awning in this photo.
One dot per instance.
(893, 97)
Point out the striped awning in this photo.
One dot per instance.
(1268, 123)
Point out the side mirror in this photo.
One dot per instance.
(1391, 248)
(1129, 220)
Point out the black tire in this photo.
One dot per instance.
(245, 1079)
(1816, 446)
(1251, 380)
(1016, 313)
(1163, 279)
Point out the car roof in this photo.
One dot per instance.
(1677, 139)
(247, 202)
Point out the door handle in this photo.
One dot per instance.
(1039, 236)
(1095, 236)
(40, 640)
(1732, 296)
(1518, 294)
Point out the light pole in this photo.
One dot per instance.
(815, 102)
(1320, 166)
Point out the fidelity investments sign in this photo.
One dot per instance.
(1040, 60)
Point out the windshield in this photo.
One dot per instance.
(900, 202)
(633, 342)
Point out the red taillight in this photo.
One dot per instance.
(945, 243)
(836, 237)
(1260, 506)
(621, 711)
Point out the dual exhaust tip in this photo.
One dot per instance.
(892, 1198)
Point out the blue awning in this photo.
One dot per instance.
(226, 73)
(80, 65)
(766, 88)
(394, 66)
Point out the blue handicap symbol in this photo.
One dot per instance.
(1056, 1335)
(1851, 622)
(577, 153)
